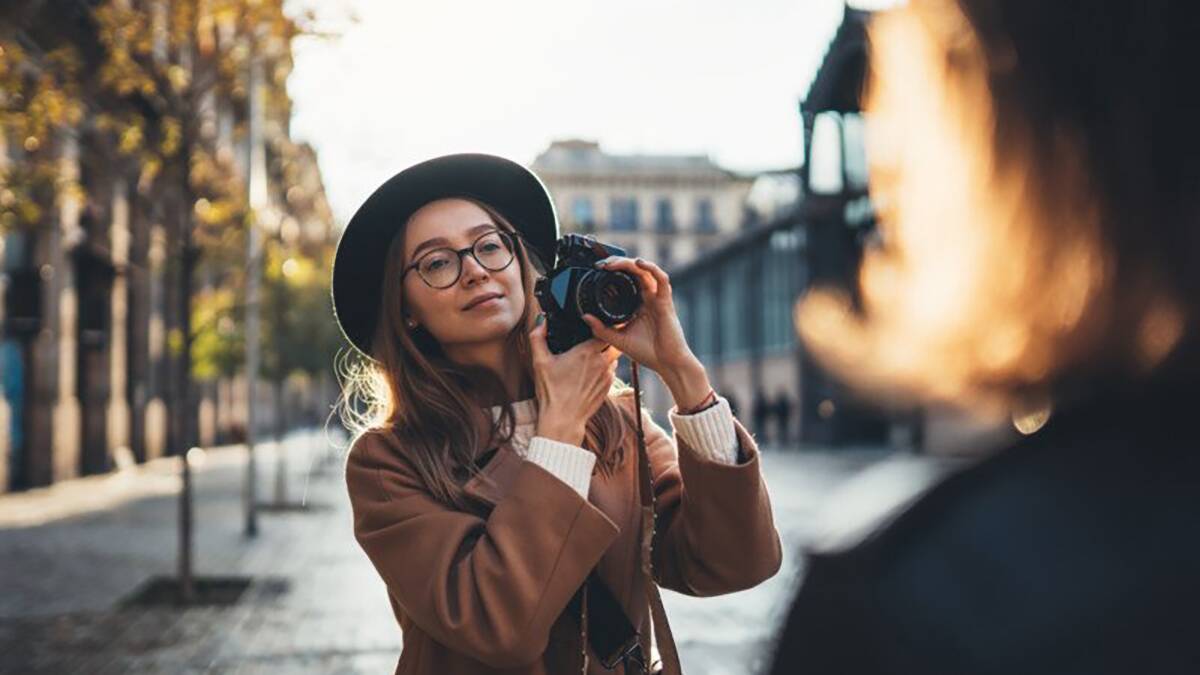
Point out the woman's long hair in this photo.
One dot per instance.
(1063, 257)
(433, 407)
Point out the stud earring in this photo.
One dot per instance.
(411, 323)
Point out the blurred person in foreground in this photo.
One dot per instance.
(1036, 168)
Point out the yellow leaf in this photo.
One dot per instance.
(178, 77)
(131, 140)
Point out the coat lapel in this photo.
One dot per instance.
(495, 480)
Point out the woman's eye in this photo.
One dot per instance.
(490, 246)
(434, 265)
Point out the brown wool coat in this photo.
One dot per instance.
(486, 591)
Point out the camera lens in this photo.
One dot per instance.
(611, 297)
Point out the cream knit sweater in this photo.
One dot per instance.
(709, 432)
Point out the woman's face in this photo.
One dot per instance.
(453, 315)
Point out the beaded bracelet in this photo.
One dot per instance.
(704, 405)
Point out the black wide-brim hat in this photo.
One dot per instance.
(513, 190)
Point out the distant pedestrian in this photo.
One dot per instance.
(237, 433)
(733, 405)
(1041, 263)
(783, 417)
(497, 486)
(762, 417)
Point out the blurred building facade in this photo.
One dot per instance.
(672, 209)
(668, 208)
(91, 314)
(736, 302)
(735, 305)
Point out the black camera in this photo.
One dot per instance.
(574, 288)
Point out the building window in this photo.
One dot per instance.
(664, 255)
(735, 338)
(683, 310)
(22, 291)
(783, 277)
(664, 215)
(704, 215)
(14, 250)
(623, 214)
(705, 320)
(582, 214)
(825, 171)
(854, 152)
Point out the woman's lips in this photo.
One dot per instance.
(490, 302)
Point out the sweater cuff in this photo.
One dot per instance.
(569, 463)
(710, 432)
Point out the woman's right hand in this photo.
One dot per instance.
(570, 387)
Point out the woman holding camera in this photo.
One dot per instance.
(494, 484)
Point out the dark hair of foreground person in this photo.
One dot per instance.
(1037, 167)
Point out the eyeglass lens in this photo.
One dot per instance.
(441, 267)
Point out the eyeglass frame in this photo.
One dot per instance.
(508, 237)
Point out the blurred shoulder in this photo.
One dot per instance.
(369, 442)
(378, 448)
(380, 468)
(912, 525)
(995, 555)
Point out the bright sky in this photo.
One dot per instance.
(411, 80)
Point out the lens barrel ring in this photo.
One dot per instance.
(612, 297)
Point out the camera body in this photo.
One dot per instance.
(574, 288)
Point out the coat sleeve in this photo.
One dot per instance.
(489, 588)
(715, 532)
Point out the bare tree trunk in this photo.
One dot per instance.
(184, 437)
(256, 182)
(280, 452)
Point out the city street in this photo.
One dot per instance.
(941, 259)
(72, 554)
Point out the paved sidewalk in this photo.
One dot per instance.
(70, 554)
(733, 634)
(62, 580)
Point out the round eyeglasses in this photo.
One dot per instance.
(442, 267)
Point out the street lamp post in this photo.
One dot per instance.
(256, 177)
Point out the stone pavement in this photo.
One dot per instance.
(71, 554)
(732, 634)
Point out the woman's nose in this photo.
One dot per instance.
(472, 271)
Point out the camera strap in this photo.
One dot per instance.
(662, 629)
(604, 624)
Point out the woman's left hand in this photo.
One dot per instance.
(654, 337)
